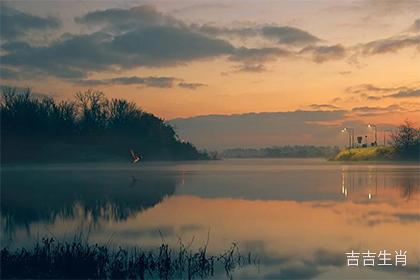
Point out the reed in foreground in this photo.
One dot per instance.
(56, 259)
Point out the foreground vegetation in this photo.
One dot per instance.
(75, 260)
(91, 127)
(405, 145)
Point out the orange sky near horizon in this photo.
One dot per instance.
(288, 83)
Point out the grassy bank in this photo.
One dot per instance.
(366, 154)
(405, 146)
(79, 260)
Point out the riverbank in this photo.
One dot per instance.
(367, 154)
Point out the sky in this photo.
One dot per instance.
(182, 59)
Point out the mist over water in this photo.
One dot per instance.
(299, 215)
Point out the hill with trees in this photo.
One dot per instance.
(89, 128)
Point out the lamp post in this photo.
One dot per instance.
(385, 131)
(350, 131)
(376, 132)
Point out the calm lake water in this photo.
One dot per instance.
(300, 216)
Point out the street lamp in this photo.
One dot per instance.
(376, 132)
(385, 131)
(350, 131)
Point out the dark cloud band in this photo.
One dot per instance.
(15, 24)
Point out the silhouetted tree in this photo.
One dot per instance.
(92, 127)
(406, 141)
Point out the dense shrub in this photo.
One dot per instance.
(406, 141)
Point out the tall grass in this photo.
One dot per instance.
(50, 258)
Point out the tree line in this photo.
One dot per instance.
(304, 151)
(90, 127)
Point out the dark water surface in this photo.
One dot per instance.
(299, 215)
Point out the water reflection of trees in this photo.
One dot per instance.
(41, 196)
(409, 185)
(375, 181)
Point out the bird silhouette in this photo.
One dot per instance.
(136, 158)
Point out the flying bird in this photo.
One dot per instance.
(136, 158)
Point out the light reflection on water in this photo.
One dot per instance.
(300, 216)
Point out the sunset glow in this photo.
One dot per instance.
(361, 57)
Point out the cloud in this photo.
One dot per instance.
(369, 88)
(165, 45)
(408, 217)
(321, 54)
(372, 97)
(416, 26)
(289, 35)
(257, 55)
(252, 59)
(201, 8)
(142, 36)
(15, 24)
(371, 9)
(284, 35)
(405, 93)
(76, 56)
(192, 86)
(363, 88)
(242, 31)
(159, 82)
(323, 107)
(390, 45)
(150, 39)
(129, 19)
(325, 257)
(128, 38)
(254, 68)
(70, 58)
(376, 110)
(365, 91)
(8, 74)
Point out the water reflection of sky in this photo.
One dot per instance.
(299, 216)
